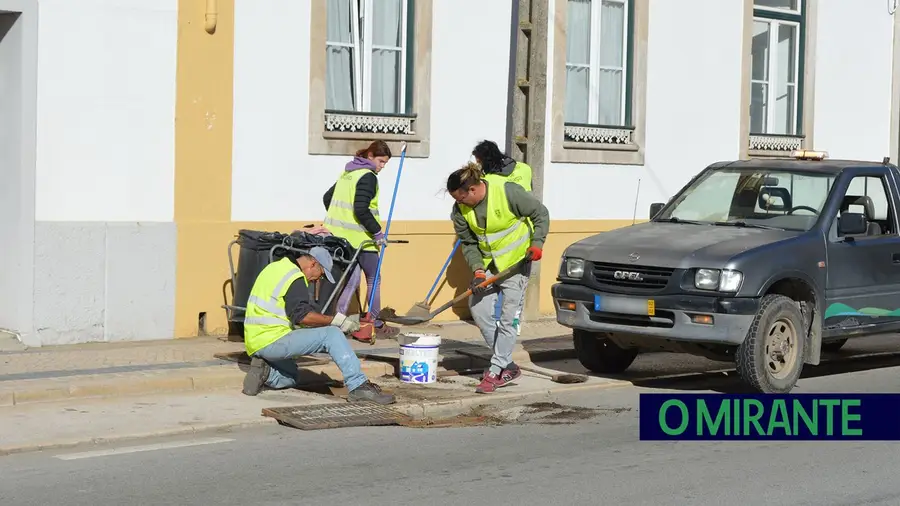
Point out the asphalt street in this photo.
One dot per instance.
(581, 449)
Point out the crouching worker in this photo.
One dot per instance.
(499, 225)
(280, 324)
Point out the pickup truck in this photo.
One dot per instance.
(764, 262)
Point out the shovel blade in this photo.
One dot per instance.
(406, 320)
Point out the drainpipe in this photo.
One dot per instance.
(212, 16)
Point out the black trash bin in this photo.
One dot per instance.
(255, 248)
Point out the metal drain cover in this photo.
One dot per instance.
(335, 415)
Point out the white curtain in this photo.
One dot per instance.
(759, 75)
(387, 37)
(612, 64)
(578, 59)
(785, 120)
(339, 87)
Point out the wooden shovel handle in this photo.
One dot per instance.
(489, 281)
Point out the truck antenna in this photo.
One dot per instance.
(636, 196)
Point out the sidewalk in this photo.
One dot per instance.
(76, 422)
(62, 373)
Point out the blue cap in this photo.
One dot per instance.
(324, 258)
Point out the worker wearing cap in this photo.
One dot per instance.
(280, 324)
(500, 225)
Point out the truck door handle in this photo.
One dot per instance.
(896, 258)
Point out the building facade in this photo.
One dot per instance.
(137, 137)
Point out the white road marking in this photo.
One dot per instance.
(143, 448)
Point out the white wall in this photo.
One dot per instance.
(17, 53)
(853, 79)
(274, 176)
(693, 114)
(106, 110)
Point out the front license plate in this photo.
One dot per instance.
(624, 305)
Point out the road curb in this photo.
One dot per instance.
(201, 379)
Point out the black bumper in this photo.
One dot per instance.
(673, 321)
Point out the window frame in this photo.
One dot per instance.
(775, 18)
(607, 144)
(765, 145)
(595, 67)
(341, 132)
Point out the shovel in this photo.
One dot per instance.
(424, 307)
(563, 378)
(388, 314)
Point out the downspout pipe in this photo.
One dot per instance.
(212, 16)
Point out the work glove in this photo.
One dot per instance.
(479, 277)
(379, 239)
(534, 254)
(347, 324)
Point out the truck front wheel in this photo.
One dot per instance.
(600, 355)
(771, 357)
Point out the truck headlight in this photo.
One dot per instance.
(574, 268)
(720, 280)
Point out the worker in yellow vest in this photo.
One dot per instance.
(352, 213)
(499, 224)
(498, 167)
(280, 324)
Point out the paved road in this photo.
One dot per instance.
(587, 454)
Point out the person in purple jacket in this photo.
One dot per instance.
(352, 213)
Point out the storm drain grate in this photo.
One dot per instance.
(333, 416)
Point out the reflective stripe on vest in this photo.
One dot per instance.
(340, 218)
(506, 238)
(266, 320)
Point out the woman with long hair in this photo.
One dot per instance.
(352, 213)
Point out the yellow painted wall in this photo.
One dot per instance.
(407, 273)
(203, 133)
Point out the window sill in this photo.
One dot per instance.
(773, 146)
(344, 133)
(597, 144)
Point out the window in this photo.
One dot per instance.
(599, 81)
(868, 195)
(777, 75)
(367, 59)
(597, 42)
(369, 75)
(750, 197)
(775, 67)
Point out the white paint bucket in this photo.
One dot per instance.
(419, 357)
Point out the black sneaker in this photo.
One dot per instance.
(256, 377)
(370, 392)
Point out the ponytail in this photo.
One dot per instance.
(377, 148)
(466, 177)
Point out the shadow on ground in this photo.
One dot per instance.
(673, 371)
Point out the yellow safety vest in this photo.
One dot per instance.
(521, 175)
(265, 320)
(340, 219)
(506, 237)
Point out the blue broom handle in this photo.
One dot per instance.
(444, 268)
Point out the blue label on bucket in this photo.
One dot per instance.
(416, 373)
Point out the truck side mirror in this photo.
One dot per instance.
(655, 209)
(852, 224)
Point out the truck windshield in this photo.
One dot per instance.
(752, 198)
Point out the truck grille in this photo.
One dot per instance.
(635, 276)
